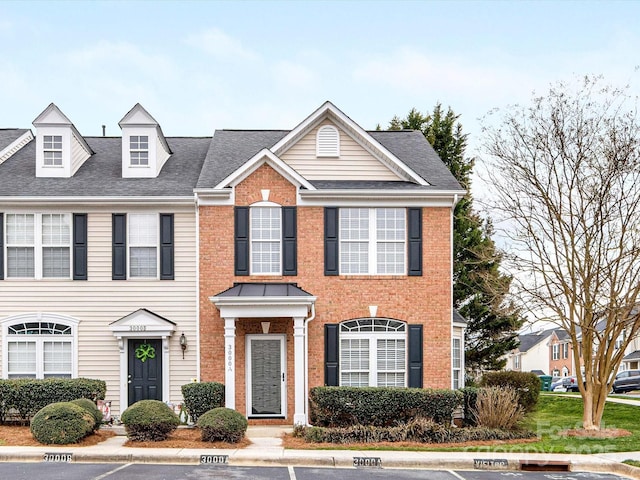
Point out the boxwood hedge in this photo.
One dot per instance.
(27, 396)
(380, 406)
(201, 397)
(61, 423)
(526, 385)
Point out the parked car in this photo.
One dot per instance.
(626, 381)
(556, 384)
(570, 384)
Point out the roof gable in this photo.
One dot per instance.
(330, 111)
(265, 156)
(51, 115)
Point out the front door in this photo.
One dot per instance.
(266, 367)
(145, 370)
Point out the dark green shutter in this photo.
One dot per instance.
(79, 246)
(415, 356)
(331, 355)
(415, 241)
(166, 247)
(1, 246)
(289, 241)
(241, 240)
(331, 241)
(119, 247)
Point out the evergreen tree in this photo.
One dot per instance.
(480, 289)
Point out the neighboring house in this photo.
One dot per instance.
(325, 259)
(98, 265)
(560, 354)
(532, 353)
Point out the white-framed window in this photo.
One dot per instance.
(40, 346)
(328, 141)
(516, 362)
(565, 350)
(143, 245)
(139, 150)
(266, 240)
(373, 353)
(52, 147)
(373, 241)
(38, 245)
(555, 351)
(456, 361)
(565, 372)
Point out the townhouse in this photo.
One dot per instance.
(272, 261)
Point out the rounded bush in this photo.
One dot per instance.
(92, 409)
(61, 423)
(149, 420)
(222, 425)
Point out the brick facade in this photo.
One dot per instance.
(422, 299)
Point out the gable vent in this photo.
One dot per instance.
(328, 142)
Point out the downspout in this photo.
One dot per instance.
(453, 208)
(306, 360)
(197, 202)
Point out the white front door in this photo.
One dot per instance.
(266, 376)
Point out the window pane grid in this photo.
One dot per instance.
(266, 233)
(372, 241)
(57, 358)
(143, 262)
(52, 147)
(20, 262)
(354, 362)
(21, 359)
(20, 229)
(143, 245)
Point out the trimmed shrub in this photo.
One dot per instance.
(27, 396)
(525, 384)
(222, 425)
(497, 407)
(92, 409)
(380, 406)
(202, 397)
(149, 420)
(469, 398)
(418, 430)
(61, 423)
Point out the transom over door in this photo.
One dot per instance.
(266, 387)
(145, 370)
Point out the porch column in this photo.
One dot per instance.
(230, 363)
(300, 365)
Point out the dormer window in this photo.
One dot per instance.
(139, 150)
(328, 142)
(52, 150)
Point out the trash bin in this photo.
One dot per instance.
(545, 381)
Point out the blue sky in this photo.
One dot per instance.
(198, 66)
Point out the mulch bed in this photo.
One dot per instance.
(21, 437)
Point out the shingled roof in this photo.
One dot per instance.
(101, 174)
(230, 149)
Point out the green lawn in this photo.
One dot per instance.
(557, 413)
(554, 414)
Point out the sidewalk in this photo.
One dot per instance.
(267, 450)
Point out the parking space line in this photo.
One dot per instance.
(456, 475)
(292, 474)
(105, 475)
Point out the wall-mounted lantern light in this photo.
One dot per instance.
(183, 343)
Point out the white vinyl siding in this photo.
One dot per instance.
(38, 245)
(99, 302)
(143, 245)
(266, 240)
(373, 353)
(372, 241)
(355, 162)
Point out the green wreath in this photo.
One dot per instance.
(145, 351)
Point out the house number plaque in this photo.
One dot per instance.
(58, 457)
(367, 462)
(214, 459)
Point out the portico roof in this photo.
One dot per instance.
(263, 299)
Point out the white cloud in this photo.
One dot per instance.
(220, 45)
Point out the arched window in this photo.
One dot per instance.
(39, 346)
(328, 141)
(373, 353)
